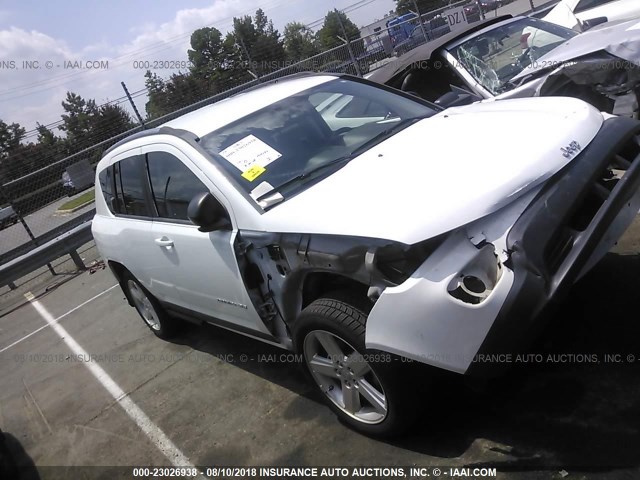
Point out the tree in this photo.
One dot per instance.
(49, 146)
(299, 42)
(86, 123)
(424, 6)
(215, 61)
(46, 137)
(184, 89)
(332, 28)
(180, 90)
(259, 43)
(10, 136)
(110, 121)
(18, 158)
(156, 105)
(77, 121)
(207, 53)
(218, 65)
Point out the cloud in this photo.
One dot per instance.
(29, 95)
(24, 75)
(175, 35)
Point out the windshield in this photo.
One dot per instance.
(309, 132)
(495, 57)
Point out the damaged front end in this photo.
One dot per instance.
(609, 82)
(284, 272)
(483, 293)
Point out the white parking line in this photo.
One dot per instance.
(46, 325)
(152, 431)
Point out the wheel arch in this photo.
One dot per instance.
(317, 284)
(119, 272)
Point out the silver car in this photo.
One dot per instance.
(525, 57)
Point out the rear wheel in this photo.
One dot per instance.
(149, 309)
(363, 387)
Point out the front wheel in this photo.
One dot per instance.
(361, 386)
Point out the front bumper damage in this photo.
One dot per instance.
(572, 222)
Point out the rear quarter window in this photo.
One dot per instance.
(105, 178)
(129, 186)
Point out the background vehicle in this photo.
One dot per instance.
(573, 13)
(508, 57)
(260, 214)
(471, 11)
(7, 217)
(490, 5)
(434, 28)
(401, 27)
(78, 177)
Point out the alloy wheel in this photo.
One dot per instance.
(345, 377)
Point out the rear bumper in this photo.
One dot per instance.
(570, 225)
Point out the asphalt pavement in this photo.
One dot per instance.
(222, 399)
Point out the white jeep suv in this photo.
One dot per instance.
(362, 226)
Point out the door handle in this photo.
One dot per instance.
(164, 241)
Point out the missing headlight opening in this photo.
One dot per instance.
(478, 278)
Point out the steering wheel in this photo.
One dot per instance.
(527, 57)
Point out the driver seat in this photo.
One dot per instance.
(411, 84)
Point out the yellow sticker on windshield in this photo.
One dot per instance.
(253, 172)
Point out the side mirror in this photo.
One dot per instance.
(592, 22)
(457, 97)
(208, 213)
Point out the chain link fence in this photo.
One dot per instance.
(49, 193)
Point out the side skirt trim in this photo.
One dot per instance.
(199, 318)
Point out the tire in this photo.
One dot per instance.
(364, 388)
(154, 316)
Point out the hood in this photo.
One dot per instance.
(621, 39)
(442, 172)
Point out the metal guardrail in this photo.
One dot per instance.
(46, 237)
(65, 244)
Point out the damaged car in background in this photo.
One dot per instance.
(581, 14)
(525, 57)
(332, 216)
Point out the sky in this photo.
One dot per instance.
(46, 47)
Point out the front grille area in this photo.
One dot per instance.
(591, 201)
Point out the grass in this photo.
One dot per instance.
(86, 197)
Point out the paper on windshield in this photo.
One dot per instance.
(250, 152)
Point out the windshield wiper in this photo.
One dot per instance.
(306, 174)
(394, 128)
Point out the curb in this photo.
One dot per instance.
(74, 209)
